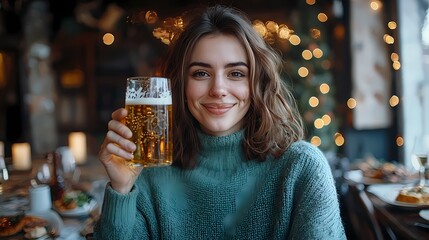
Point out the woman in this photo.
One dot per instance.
(241, 169)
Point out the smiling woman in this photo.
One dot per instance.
(241, 169)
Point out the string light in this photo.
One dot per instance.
(394, 101)
(318, 53)
(310, 2)
(326, 119)
(339, 139)
(399, 141)
(315, 33)
(376, 5)
(108, 38)
(272, 26)
(316, 141)
(171, 27)
(394, 57)
(284, 32)
(295, 40)
(392, 25)
(313, 102)
(306, 54)
(396, 65)
(303, 72)
(151, 17)
(351, 103)
(324, 88)
(388, 39)
(260, 28)
(318, 123)
(322, 17)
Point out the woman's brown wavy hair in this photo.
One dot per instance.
(272, 123)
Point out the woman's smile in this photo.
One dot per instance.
(218, 108)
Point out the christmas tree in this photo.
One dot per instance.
(304, 45)
(309, 65)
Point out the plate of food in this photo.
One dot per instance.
(30, 225)
(400, 195)
(373, 171)
(357, 176)
(75, 203)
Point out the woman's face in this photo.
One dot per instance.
(217, 88)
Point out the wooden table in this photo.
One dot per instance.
(92, 174)
(400, 221)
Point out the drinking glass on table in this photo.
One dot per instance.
(44, 174)
(149, 105)
(419, 156)
(68, 166)
(4, 174)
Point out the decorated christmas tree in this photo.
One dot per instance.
(308, 62)
(304, 45)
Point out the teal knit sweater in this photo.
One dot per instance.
(225, 197)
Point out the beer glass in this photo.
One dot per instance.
(149, 105)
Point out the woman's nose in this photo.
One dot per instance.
(218, 87)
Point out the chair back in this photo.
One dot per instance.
(361, 214)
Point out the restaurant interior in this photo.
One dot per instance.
(359, 71)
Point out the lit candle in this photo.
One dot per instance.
(1, 149)
(77, 144)
(21, 156)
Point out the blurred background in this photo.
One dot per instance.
(358, 68)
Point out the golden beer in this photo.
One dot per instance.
(150, 120)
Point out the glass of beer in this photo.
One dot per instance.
(149, 105)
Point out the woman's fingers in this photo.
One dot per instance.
(116, 142)
(113, 137)
(120, 152)
(120, 128)
(119, 114)
(117, 145)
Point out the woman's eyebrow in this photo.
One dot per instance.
(236, 64)
(200, 64)
(233, 64)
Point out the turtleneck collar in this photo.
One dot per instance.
(221, 152)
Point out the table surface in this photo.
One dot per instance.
(400, 220)
(92, 179)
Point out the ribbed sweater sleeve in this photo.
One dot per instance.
(316, 212)
(118, 216)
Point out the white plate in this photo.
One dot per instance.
(424, 214)
(79, 211)
(388, 192)
(52, 217)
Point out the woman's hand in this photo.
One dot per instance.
(114, 152)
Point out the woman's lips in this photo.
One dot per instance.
(218, 109)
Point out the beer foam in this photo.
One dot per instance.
(148, 101)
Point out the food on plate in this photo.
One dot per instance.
(11, 225)
(35, 232)
(72, 199)
(374, 168)
(414, 195)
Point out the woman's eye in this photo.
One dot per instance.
(237, 74)
(199, 74)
